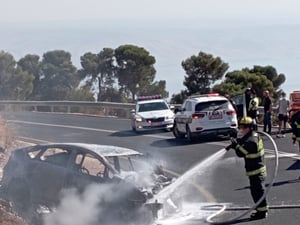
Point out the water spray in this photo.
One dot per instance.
(222, 207)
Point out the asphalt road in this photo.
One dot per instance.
(218, 180)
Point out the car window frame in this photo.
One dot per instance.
(208, 109)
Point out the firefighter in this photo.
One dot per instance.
(295, 124)
(253, 107)
(247, 99)
(250, 147)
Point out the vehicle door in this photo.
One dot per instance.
(88, 168)
(183, 116)
(48, 173)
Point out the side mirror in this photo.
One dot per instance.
(172, 107)
(132, 111)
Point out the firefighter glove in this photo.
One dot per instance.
(233, 144)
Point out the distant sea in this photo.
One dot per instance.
(240, 47)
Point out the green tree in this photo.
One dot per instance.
(179, 98)
(99, 68)
(202, 71)
(271, 73)
(135, 69)
(15, 83)
(259, 77)
(81, 94)
(112, 94)
(58, 75)
(235, 83)
(157, 87)
(31, 64)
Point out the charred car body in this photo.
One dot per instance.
(37, 175)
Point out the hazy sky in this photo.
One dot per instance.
(68, 10)
(242, 32)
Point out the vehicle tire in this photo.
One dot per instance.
(177, 133)
(189, 135)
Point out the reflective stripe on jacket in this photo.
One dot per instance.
(253, 105)
(251, 148)
(296, 127)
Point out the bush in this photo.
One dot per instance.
(6, 134)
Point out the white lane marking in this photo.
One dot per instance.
(284, 155)
(62, 126)
(270, 151)
(81, 128)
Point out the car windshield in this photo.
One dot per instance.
(212, 105)
(152, 106)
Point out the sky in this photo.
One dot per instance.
(68, 10)
(243, 33)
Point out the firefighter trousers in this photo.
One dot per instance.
(257, 188)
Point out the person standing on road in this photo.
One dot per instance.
(283, 107)
(295, 124)
(250, 147)
(267, 112)
(247, 99)
(253, 107)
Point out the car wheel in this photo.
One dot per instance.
(177, 133)
(189, 135)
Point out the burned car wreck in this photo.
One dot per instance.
(40, 174)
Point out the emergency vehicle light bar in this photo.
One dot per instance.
(204, 95)
(150, 97)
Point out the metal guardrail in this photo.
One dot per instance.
(97, 108)
(122, 110)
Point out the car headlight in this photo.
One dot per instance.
(138, 119)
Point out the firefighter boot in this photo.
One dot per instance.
(258, 215)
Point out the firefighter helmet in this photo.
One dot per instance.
(246, 121)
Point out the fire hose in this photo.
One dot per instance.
(222, 207)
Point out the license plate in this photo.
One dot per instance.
(156, 124)
(216, 116)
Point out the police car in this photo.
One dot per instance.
(152, 112)
(205, 114)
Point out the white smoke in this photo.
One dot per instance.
(88, 207)
(76, 208)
